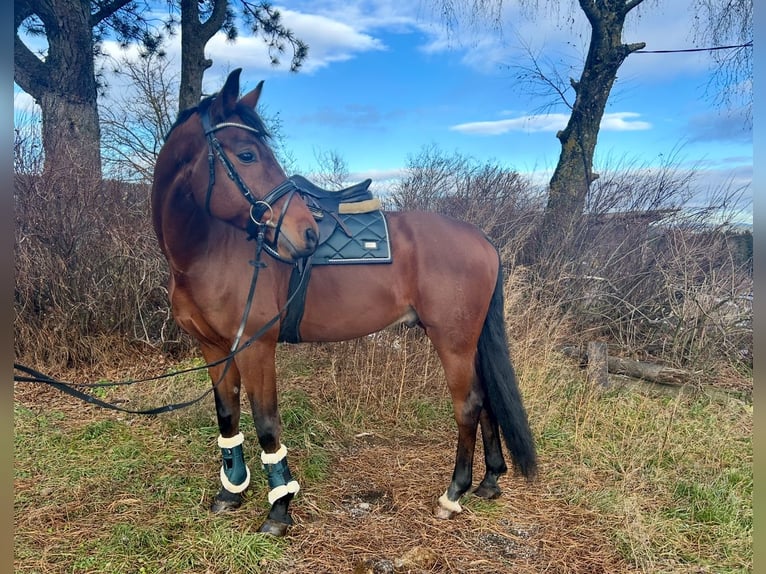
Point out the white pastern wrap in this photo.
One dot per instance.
(235, 488)
(236, 440)
(275, 457)
(447, 504)
(291, 487)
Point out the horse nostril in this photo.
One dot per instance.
(312, 239)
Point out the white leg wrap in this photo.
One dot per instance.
(291, 487)
(447, 504)
(274, 457)
(235, 488)
(236, 440)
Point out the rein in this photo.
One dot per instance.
(256, 229)
(34, 376)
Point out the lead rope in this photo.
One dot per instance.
(35, 376)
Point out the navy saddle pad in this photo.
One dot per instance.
(352, 227)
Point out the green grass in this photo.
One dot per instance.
(671, 476)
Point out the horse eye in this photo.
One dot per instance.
(247, 156)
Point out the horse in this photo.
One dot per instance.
(217, 187)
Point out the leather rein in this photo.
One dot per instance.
(256, 230)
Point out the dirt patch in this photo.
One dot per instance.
(375, 515)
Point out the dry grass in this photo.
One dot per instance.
(630, 481)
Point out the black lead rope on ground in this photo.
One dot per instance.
(34, 376)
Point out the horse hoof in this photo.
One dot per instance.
(488, 492)
(226, 501)
(274, 527)
(444, 514)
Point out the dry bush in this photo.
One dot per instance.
(89, 278)
(643, 268)
(496, 199)
(654, 276)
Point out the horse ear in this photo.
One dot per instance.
(224, 102)
(251, 98)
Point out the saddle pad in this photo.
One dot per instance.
(368, 243)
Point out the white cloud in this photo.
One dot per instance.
(329, 41)
(621, 121)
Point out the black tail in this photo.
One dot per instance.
(496, 374)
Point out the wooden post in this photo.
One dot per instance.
(598, 364)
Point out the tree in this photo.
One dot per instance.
(202, 19)
(729, 23)
(135, 124)
(573, 174)
(62, 78)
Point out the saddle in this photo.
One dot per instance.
(357, 192)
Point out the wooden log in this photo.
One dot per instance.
(648, 371)
(636, 369)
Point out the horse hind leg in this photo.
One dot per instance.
(494, 461)
(467, 398)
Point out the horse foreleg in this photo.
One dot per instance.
(234, 474)
(493, 456)
(259, 376)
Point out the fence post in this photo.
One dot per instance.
(598, 364)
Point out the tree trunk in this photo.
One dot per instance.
(194, 36)
(573, 175)
(63, 85)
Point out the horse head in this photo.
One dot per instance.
(221, 159)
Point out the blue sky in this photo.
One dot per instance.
(384, 79)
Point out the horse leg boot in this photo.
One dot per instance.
(282, 488)
(234, 474)
(493, 456)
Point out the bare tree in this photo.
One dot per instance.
(573, 175)
(720, 24)
(134, 125)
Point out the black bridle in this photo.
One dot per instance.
(258, 207)
(256, 230)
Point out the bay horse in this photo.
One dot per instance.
(217, 185)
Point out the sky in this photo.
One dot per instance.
(386, 79)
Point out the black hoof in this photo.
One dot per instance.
(489, 491)
(226, 501)
(274, 527)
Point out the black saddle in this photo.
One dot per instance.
(357, 192)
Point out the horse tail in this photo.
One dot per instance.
(496, 373)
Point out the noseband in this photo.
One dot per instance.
(258, 207)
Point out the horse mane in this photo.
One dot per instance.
(249, 116)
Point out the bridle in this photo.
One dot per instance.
(258, 207)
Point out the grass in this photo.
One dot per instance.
(631, 481)
(672, 476)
